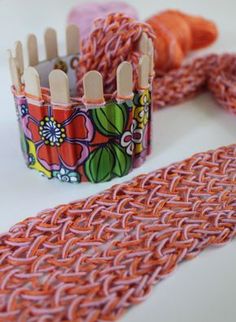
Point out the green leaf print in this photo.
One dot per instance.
(100, 164)
(111, 119)
(122, 161)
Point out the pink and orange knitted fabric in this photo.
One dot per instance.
(92, 259)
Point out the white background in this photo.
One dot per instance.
(201, 290)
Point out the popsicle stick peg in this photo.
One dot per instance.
(143, 44)
(19, 57)
(124, 78)
(50, 38)
(93, 87)
(59, 87)
(72, 40)
(32, 82)
(15, 76)
(151, 57)
(143, 72)
(32, 48)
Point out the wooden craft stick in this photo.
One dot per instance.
(124, 79)
(32, 82)
(19, 57)
(143, 44)
(93, 87)
(143, 72)
(59, 87)
(72, 40)
(32, 48)
(151, 57)
(50, 38)
(15, 75)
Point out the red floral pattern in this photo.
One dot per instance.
(61, 137)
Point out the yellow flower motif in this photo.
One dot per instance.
(145, 98)
(33, 161)
(141, 113)
(141, 116)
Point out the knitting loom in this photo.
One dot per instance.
(92, 138)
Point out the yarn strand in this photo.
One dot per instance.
(115, 38)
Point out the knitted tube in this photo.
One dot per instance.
(92, 259)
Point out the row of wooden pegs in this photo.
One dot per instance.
(28, 79)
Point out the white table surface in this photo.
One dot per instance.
(200, 290)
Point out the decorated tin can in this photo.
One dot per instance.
(93, 138)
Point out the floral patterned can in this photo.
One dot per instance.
(79, 144)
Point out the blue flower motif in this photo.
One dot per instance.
(66, 175)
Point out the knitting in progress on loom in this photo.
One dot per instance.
(216, 73)
(92, 259)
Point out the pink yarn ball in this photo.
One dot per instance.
(84, 14)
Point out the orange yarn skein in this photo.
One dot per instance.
(176, 34)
